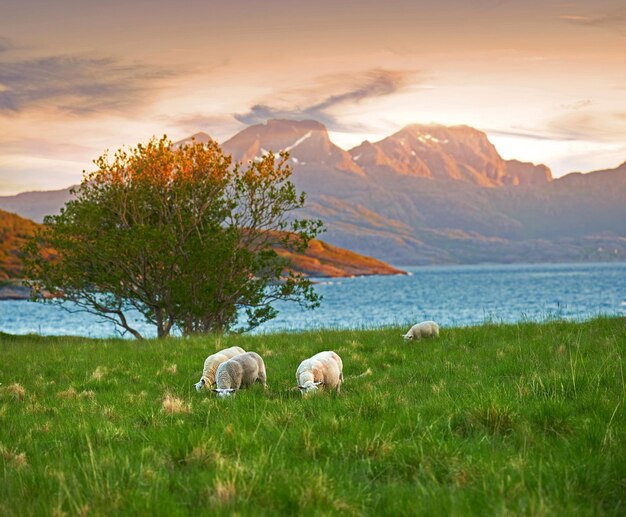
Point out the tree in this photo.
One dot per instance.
(181, 235)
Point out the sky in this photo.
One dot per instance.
(546, 80)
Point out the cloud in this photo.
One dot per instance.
(530, 133)
(586, 126)
(5, 44)
(370, 84)
(583, 103)
(76, 85)
(615, 21)
(589, 126)
(219, 126)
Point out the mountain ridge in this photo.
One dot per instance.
(431, 194)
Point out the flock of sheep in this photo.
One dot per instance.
(233, 368)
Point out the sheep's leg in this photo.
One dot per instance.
(263, 378)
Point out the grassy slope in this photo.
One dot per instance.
(496, 419)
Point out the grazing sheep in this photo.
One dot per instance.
(239, 372)
(423, 329)
(323, 369)
(211, 364)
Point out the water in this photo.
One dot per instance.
(450, 295)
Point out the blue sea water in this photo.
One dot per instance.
(450, 295)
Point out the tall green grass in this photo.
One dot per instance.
(524, 419)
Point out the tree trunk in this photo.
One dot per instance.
(162, 331)
(127, 327)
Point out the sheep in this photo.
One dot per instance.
(423, 329)
(240, 372)
(323, 369)
(211, 364)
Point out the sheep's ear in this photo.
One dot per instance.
(317, 383)
(215, 390)
(301, 387)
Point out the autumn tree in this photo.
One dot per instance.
(180, 234)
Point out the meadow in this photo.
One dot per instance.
(519, 419)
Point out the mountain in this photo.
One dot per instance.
(198, 138)
(36, 205)
(307, 142)
(430, 194)
(435, 152)
(459, 153)
(524, 173)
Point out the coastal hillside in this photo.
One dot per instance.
(320, 259)
(14, 232)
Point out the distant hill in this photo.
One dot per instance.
(14, 232)
(320, 259)
(36, 205)
(323, 260)
(431, 194)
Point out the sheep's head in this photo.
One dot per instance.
(309, 387)
(224, 392)
(408, 336)
(200, 384)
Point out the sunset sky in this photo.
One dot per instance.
(545, 79)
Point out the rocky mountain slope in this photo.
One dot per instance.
(433, 194)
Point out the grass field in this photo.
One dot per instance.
(524, 419)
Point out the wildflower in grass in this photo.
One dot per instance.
(98, 373)
(14, 459)
(70, 393)
(368, 372)
(174, 405)
(134, 398)
(439, 387)
(17, 391)
(172, 369)
(224, 493)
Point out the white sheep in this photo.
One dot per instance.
(240, 372)
(323, 369)
(423, 329)
(211, 364)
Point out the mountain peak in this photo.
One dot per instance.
(306, 141)
(526, 173)
(198, 138)
(436, 152)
